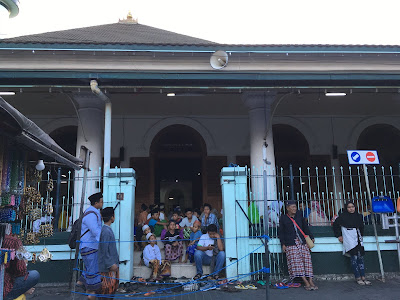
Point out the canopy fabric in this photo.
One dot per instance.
(35, 138)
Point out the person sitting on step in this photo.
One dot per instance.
(152, 256)
(210, 251)
(173, 246)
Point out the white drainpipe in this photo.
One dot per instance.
(107, 125)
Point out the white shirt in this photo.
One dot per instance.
(206, 241)
(150, 253)
(185, 222)
(162, 217)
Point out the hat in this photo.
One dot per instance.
(149, 235)
(290, 202)
(145, 227)
(95, 197)
(107, 212)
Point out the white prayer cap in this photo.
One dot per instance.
(148, 235)
(145, 227)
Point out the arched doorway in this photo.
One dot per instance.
(385, 139)
(291, 147)
(177, 156)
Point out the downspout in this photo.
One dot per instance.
(107, 125)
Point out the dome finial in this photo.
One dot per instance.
(129, 19)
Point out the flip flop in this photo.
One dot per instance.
(223, 282)
(308, 288)
(293, 285)
(251, 287)
(281, 286)
(149, 293)
(241, 287)
(367, 282)
(261, 282)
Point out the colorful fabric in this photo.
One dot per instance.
(173, 252)
(109, 282)
(90, 276)
(299, 260)
(190, 250)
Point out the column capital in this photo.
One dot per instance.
(258, 99)
(87, 100)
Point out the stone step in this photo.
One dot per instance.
(178, 270)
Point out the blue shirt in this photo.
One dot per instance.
(93, 223)
(212, 219)
(152, 222)
(195, 235)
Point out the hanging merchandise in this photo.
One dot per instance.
(48, 209)
(45, 255)
(7, 215)
(46, 230)
(32, 238)
(35, 214)
(50, 185)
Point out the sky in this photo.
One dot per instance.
(232, 21)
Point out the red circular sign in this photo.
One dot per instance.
(370, 156)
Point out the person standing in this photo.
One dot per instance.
(294, 245)
(90, 237)
(108, 255)
(349, 229)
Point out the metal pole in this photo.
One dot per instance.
(57, 216)
(374, 223)
(266, 231)
(291, 178)
(396, 228)
(86, 168)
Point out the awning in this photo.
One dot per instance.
(28, 133)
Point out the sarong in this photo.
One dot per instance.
(90, 276)
(109, 282)
(190, 250)
(299, 260)
(172, 253)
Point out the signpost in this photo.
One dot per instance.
(366, 157)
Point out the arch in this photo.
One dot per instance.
(66, 138)
(365, 123)
(54, 124)
(182, 187)
(304, 129)
(160, 125)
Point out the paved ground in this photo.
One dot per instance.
(328, 290)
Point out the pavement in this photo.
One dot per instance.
(342, 290)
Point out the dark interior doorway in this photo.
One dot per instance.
(178, 154)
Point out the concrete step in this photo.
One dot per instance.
(177, 270)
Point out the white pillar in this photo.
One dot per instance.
(260, 105)
(90, 134)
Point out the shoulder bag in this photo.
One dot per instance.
(309, 241)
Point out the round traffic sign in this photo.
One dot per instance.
(355, 156)
(370, 156)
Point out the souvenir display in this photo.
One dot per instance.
(46, 230)
(45, 255)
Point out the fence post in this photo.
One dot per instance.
(119, 187)
(236, 224)
(57, 199)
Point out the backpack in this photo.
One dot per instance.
(73, 236)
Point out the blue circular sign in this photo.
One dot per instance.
(355, 156)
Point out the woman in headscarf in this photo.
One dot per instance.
(317, 217)
(349, 229)
(294, 245)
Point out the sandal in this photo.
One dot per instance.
(360, 282)
(251, 287)
(367, 282)
(293, 285)
(308, 288)
(281, 286)
(314, 288)
(241, 287)
(149, 293)
(197, 277)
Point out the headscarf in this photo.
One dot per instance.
(350, 220)
(317, 208)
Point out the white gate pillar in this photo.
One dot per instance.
(236, 224)
(90, 110)
(119, 186)
(260, 105)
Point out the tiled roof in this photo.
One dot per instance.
(117, 33)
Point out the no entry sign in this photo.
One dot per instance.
(362, 157)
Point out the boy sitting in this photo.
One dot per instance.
(155, 223)
(108, 254)
(194, 238)
(152, 256)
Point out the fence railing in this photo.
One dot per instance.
(320, 194)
